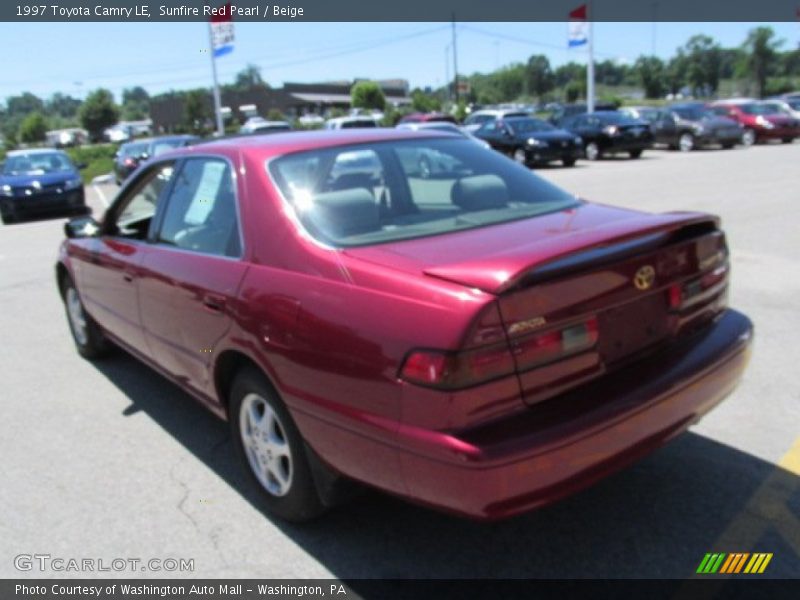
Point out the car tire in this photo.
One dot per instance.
(89, 339)
(519, 156)
(635, 153)
(727, 146)
(748, 137)
(592, 151)
(686, 142)
(271, 448)
(787, 140)
(7, 218)
(568, 162)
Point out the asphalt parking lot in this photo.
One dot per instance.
(109, 460)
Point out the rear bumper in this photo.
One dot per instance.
(571, 441)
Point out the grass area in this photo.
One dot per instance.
(99, 159)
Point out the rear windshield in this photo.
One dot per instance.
(133, 149)
(380, 192)
(529, 125)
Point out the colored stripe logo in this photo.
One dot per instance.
(734, 563)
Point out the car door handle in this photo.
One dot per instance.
(127, 276)
(214, 302)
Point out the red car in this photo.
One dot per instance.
(761, 121)
(479, 341)
(432, 117)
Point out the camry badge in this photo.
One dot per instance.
(644, 278)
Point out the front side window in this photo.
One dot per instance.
(380, 192)
(136, 210)
(200, 214)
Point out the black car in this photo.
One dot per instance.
(563, 112)
(531, 141)
(610, 132)
(131, 155)
(692, 125)
(37, 182)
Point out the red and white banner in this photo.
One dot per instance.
(578, 27)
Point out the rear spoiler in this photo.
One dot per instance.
(538, 261)
(613, 251)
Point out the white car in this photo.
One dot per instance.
(476, 119)
(443, 126)
(259, 125)
(350, 122)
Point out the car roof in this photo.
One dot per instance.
(440, 125)
(263, 147)
(30, 151)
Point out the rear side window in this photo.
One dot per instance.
(200, 214)
(386, 191)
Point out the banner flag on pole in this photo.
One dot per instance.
(222, 31)
(578, 27)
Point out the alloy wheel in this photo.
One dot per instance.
(266, 445)
(592, 151)
(77, 318)
(519, 156)
(686, 142)
(748, 137)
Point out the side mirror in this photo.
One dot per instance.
(81, 166)
(81, 227)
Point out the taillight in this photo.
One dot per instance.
(456, 370)
(533, 350)
(682, 295)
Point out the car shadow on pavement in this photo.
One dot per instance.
(657, 519)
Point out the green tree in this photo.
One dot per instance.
(760, 57)
(98, 113)
(275, 115)
(367, 94)
(197, 110)
(62, 105)
(33, 128)
(24, 104)
(422, 102)
(539, 78)
(570, 72)
(651, 75)
(248, 78)
(702, 59)
(675, 73)
(135, 103)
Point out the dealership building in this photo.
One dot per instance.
(293, 100)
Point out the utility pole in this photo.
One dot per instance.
(590, 65)
(447, 81)
(455, 60)
(217, 100)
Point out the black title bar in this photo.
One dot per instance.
(404, 10)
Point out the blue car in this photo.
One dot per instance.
(38, 182)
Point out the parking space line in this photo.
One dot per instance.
(100, 194)
(791, 460)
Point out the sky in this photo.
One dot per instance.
(75, 58)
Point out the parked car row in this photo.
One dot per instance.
(631, 130)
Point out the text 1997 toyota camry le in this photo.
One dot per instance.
(475, 340)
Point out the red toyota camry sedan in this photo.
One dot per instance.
(469, 337)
